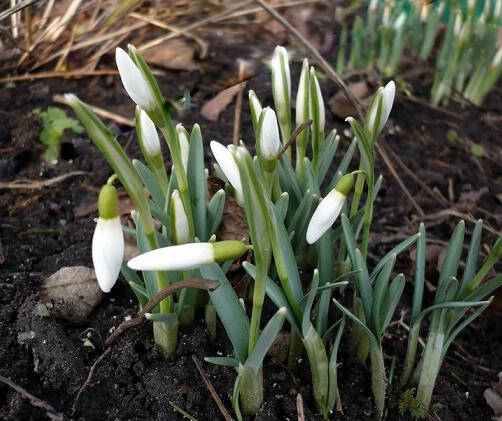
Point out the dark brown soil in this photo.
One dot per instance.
(42, 232)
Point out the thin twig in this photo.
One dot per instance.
(182, 411)
(299, 407)
(204, 284)
(39, 403)
(17, 8)
(33, 185)
(88, 379)
(322, 62)
(293, 137)
(238, 104)
(211, 389)
(101, 112)
(380, 149)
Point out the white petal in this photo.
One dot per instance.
(374, 108)
(227, 163)
(387, 101)
(254, 103)
(320, 100)
(149, 134)
(174, 258)
(184, 145)
(180, 219)
(270, 142)
(133, 80)
(325, 215)
(497, 59)
(107, 251)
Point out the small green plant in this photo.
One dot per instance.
(54, 123)
(408, 404)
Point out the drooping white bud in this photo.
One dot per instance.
(188, 256)
(108, 240)
(385, 96)
(134, 81)
(329, 209)
(227, 163)
(149, 135)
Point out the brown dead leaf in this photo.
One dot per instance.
(176, 54)
(74, 292)
(212, 109)
(493, 398)
(342, 107)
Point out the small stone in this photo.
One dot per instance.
(74, 292)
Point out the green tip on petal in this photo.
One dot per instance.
(108, 202)
(345, 184)
(229, 250)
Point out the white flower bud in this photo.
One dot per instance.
(386, 96)
(134, 81)
(269, 139)
(149, 134)
(184, 143)
(179, 220)
(281, 77)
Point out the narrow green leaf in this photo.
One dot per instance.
(215, 211)
(328, 152)
(229, 309)
(265, 341)
(343, 166)
(281, 206)
(451, 261)
(397, 250)
(391, 300)
(418, 290)
(371, 337)
(149, 181)
(222, 361)
(485, 289)
(310, 302)
(135, 283)
(379, 294)
(333, 366)
(363, 283)
(472, 257)
(288, 178)
(196, 176)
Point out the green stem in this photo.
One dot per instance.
(258, 298)
(378, 380)
(251, 390)
(319, 367)
(358, 191)
(165, 336)
(161, 278)
(431, 364)
(295, 348)
(368, 216)
(411, 353)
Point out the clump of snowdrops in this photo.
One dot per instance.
(292, 203)
(461, 38)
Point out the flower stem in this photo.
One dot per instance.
(411, 352)
(251, 390)
(165, 336)
(258, 298)
(378, 380)
(431, 363)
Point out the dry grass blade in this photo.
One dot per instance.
(238, 104)
(299, 407)
(17, 8)
(34, 185)
(51, 75)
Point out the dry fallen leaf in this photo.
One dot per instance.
(74, 292)
(175, 54)
(212, 109)
(341, 106)
(493, 398)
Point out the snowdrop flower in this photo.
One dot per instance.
(149, 135)
(373, 6)
(400, 21)
(302, 101)
(134, 81)
(281, 78)
(188, 256)
(386, 96)
(227, 163)
(497, 9)
(108, 240)
(329, 209)
(184, 143)
(269, 141)
(179, 220)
